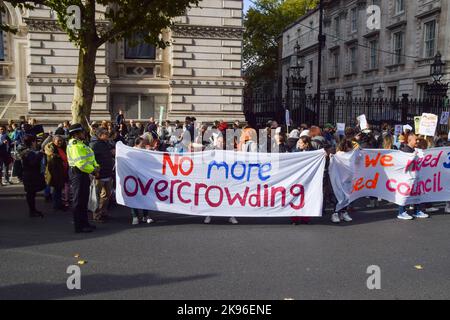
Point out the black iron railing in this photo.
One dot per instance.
(260, 109)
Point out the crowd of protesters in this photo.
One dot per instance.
(45, 160)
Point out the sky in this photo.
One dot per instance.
(246, 5)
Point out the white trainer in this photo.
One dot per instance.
(421, 215)
(149, 220)
(207, 220)
(447, 208)
(346, 217)
(135, 221)
(404, 216)
(335, 218)
(233, 220)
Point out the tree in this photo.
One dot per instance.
(264, 23)
(123, 19)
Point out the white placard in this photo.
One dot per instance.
(428, 124)
(444, 117)
(340, 128)
(363, 122)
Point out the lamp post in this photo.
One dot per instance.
(380, 92)
(295, 83)
(437, 89)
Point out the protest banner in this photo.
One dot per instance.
(407, 127)
(221, 183)
(395, 176)
(362, 120)
(428, 124)
(417, 120)
(340, 128)
(287, 119)
(161, 114)
(444, 118)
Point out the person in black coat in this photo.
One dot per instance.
(103, 182)
(33, 174)
(133, 133)
(120, 118)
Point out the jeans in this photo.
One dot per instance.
(417, 208)
(57, 198)
(4, 168)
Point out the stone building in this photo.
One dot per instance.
(360, 60)
(199, 74)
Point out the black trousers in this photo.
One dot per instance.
(31, 201)
(80, 183)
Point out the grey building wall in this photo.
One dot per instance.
(199, 74)
(360, 73)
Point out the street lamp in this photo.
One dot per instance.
(437, 89)
(380, 92)
(437, 68)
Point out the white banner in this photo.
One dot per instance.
(221, 183)
(395, 176)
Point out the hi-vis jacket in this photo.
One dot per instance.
(81, 156)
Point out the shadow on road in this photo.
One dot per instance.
(92, 284)
(17, 230)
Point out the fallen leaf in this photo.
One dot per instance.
(81, 262)
(77, 255)
(418, 267)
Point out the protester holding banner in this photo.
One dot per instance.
(304, 144)
(140, 143)
(418, 213)
(344, 147)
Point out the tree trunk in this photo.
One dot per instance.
(84, 86)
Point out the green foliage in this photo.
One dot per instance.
(264, 23)
(124, 18)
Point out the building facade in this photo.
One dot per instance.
(199, 74)
(363, 60)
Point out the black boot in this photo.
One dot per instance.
(36, 214)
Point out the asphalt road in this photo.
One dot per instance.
(180, 258)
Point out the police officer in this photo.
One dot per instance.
(82, 163)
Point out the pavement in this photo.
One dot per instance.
(14, 190)
(179, 257)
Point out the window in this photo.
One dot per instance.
(354, 15)
(398, 40)
(311, 71)
(368, 93)
(373, 54)
(337, 27)
(139, 106)
(2, 49)
(392, 93)
(138, 49)
(399, 6)
(349, 95)
(335, 67)
(430, 39)
(353, 55)
(421, 92)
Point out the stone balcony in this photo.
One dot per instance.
(137, 68)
